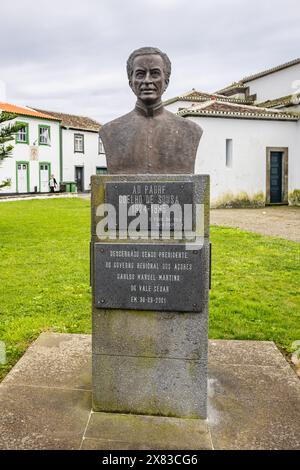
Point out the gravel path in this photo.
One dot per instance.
(280, 221)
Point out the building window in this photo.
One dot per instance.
(101, 170)
(78, 143)
(101, 147)
(229, 153)
(22, 136)
(44, 135)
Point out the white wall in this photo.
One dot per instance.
(90, 159)
(277, 84)
(292, 108)
(173, 107)
(21, 152)
(250, 140)
(295, 173)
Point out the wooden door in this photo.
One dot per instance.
(276, 177)
(22, 177)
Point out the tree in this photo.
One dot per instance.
(7, 134)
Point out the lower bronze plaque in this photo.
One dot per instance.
(163, 277)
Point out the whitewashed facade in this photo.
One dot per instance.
(242, 138)
(82, 151)
(69, 149)
(277, 87)
(81, 155)
(247, 170)
(246, 129)
(35, 157)
(280, 83)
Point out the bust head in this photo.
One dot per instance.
(148, 71)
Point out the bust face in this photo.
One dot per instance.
(148, 80)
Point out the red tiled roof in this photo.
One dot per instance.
(200, 96)
(74, 121)
(25, 111)
(289, 100)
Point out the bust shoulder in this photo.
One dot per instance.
(185, 123)
(115, 123)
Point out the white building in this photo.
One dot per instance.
(249, 145)
(82, 150)
(36, 153)
(277, 87)
(64, 145)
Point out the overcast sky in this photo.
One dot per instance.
(70, 55)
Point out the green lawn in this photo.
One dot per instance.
(44, 282)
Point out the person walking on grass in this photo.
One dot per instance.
(52, 184)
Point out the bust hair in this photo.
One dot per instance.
(145, 51)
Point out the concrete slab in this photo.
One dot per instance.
(267, 425)
(55, 360)
(150, 432)
(244, 353)
(42, 417)
(265, 383)
(254, 403)
(254, 397)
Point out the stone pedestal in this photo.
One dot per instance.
(152, 362)
(254, 403)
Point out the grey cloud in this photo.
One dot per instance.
(71, 55)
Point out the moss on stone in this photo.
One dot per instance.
(240, 200)
(294, 197)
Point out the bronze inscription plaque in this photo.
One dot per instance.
(164, 277)
(154, 198)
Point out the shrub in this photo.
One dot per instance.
(294, 197)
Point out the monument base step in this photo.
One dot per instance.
(254, 403)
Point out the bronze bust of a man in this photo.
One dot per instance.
(150, 139)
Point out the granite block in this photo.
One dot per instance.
(150, 386)
(151, 334)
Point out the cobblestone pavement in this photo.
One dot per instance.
(280, 221)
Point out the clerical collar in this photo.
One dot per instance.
(149, 111)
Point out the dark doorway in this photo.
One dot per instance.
(79, 178)
(276, 177)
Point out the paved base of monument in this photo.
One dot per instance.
(254, 403)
